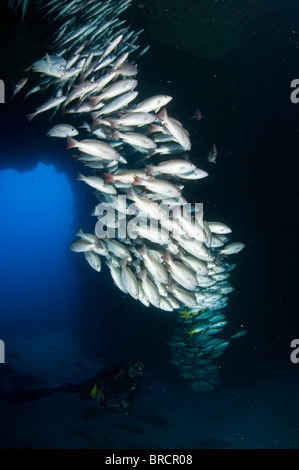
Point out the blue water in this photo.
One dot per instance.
(35, 261)
(62, 321)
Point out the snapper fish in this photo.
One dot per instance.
(129, 280)
(152, 104)
(132, 119)
(219, 228)
(62, 130)
(150, 290)
(161, 187)
(117, 88)
(95, 148)
(52, 103)
(53, 66)
(232, 249)
(179, 134)
(135, 139)
(171, 167)
(125, 70)
(93, 260)
(154, 266)
(97, 183)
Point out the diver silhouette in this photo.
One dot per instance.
(114, 388)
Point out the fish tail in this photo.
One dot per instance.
(167, 257)
(142, 250)
(80, 177)
(94, 100)
(79, 232)
(71, 143)
(112, 122)
(116, 135)
(30, 117)
(142, 274)
(138, 181)
(95, 115)
(108, 178)
(150, 170)
(93, 212)
(162, 114)
(131, 195)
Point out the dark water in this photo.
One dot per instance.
(61, 321)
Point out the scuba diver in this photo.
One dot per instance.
(114, 387)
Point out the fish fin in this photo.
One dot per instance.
(94, 100)
(112, 122)
(154, 128)
(30, 117)
(138, 181)
(150, 170)
(85, 125)
(136, 264)
(108, 178)
(167, 257)
(142, 251)
(80, 177)
(162, 114)
(79, 232)
(131, 195)
(142, 274)
(116, 135)
(95, 115)
(71, 143)
(48, 59)
(123, 262)
(179, 254)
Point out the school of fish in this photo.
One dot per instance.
(158, 248)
